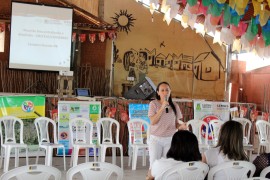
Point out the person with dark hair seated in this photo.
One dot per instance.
(184, 148)
(229, 148)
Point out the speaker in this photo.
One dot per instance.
(143, 90)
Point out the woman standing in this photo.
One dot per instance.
(164, 115)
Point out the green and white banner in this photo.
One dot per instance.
(71, 109)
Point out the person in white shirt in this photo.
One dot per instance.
(229, 148)
(184, 148)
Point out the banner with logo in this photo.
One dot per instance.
(208, 111)
(71, 109)
(26, 108)
(23, 107)
(139, 111)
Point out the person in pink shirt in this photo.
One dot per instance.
(164, 115)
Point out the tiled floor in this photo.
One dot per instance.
(138, 174)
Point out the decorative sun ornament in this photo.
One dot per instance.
(123, 21)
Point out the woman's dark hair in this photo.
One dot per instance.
(184, 147)
(230, 140)
(170, 98)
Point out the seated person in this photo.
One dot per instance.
(262, 161)
(184, 148)
(229, 148)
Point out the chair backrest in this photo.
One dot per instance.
(107, 126)
(96, 170)
(200, 129)
(233, 170)
(263, 128)
(8, 124)
(265, 171)
(189, 170)
(215, 126)
(81, 130)
(32, 172)
(138, 131)
(42, 127)
(246, 124)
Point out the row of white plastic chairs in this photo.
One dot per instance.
(81, 131)
(89, 170)
(241, 170)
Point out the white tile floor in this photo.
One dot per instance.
(138, 174)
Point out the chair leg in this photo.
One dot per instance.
(75, 156)
(17, 157)
(134, 158)
(130, 156)
(113, 155)
(95, 155)
(122, 160)
(37, 157)
(7, 158)
(259, 149)
(103, 154)
(71, 158)
(87, 154)
(144, 157)
(26, 156)
(64, 157)
(2, 155)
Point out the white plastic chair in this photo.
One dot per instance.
(189, 170)
(106, 126)
(81, 133)
(96, 170)
(8, 139)
(265, 171)
(138, 137)
(42, 127)
(32, 172)
(215, 126)
(246, 124)
(263, 128)
(235, 170)
(197, 127)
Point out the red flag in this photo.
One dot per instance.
(74, 37)
(112, 35)
(2, 27)
(82, 37)
(92, 38)
(102, 36)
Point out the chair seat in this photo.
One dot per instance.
(84, 145)
(110, 145)
(14, 145)
(45, 145)
(139, 145)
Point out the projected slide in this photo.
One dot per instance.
(40, 37)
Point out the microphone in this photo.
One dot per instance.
(167, 108)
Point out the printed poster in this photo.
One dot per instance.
(71, 109)
(139, 111)
(27, 108)
(208, 110)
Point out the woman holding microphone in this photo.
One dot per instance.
(164, 115)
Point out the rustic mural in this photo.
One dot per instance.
(194, 67)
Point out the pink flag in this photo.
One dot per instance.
(102, 36)
(92, 38)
